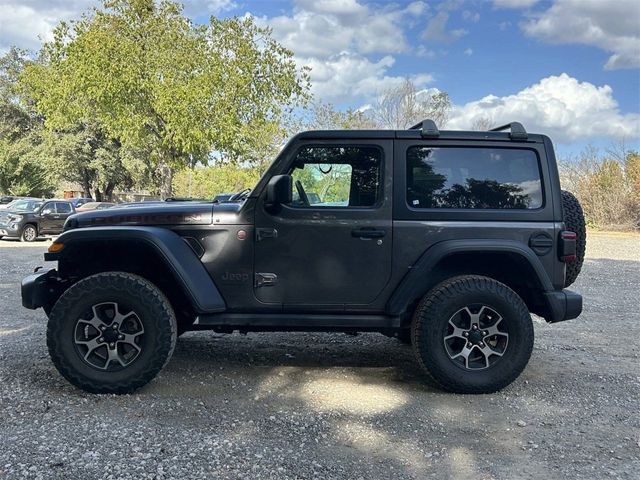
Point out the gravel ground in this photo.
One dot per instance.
(321, 406)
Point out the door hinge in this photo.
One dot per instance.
(265, 279)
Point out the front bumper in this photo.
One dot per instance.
(563, 305)
(11, 230)
(41, 289)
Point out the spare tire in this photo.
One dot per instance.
(574, 222)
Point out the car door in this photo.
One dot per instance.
(331, 246)
(63, 210)
(48, 217)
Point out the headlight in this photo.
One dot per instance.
(14, 218)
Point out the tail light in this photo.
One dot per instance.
(567, 247)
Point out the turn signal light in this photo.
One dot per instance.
(55, 247)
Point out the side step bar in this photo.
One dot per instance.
(294, 321)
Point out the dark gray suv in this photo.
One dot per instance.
(29, 218)
(447, 240)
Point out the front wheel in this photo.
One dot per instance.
(472, 334)
(111, 333)
(29, 233)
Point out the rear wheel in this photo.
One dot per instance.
(472, 334)
(29, 233)
(574, 221)
(111, 333)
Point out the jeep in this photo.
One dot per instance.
(447, 240)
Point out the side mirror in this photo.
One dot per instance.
(279, 190)
(47, 211)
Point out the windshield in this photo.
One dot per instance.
(26, 205)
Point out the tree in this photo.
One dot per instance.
(483, 124)
(150, 77)
(324, 116)
(22, 171)
(403, 106)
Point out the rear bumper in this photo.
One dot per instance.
(563, 305)
(40, 289)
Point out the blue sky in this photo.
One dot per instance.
(568, 68)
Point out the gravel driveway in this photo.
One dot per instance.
(322, 406)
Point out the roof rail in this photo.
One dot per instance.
(428, 128)
(516, 130)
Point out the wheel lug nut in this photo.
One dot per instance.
(112, 345)
(475, 327)
(101, 339)
(485, 332)
(114, 326)
(469, 345)
(102, 327)
(120, 337)
(465, 334)
(482, 344)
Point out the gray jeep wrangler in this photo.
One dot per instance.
(447, 240)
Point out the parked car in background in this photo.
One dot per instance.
(6, 199)
(77, 202)
(94, 206)
(27, 219)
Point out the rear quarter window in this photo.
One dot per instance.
(473, 178)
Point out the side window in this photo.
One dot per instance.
(50, 206)
(63, 207)
(337, 177)
(449, 177)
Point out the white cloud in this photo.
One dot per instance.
(560, 106)
(514, 3)
(470, 16)
(24, 23)
(437, 29)
(322, 28)
(353, 78)
(468, 52)
(610, 26)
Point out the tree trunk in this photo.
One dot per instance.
(166, 179)
(98, 195)
(108, 192)
(86, 185)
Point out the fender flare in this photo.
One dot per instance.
(412, 285)
(177, 255)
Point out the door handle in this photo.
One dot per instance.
(368, 232)
(262, 233)
(56, 216)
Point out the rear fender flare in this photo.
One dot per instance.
(412, 286)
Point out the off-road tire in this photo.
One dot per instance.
(153, 310)
(430, 324)
(29, 233)
(574, 222)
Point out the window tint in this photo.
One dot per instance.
(473, 178)
(63, 207)
(336, 177)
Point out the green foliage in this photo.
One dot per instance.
(207, 182)
(150, 77)
(22, 171)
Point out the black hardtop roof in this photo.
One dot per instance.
(409, 134)
(427, 129)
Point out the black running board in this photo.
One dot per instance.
(295, 321)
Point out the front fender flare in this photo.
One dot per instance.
(177, 255)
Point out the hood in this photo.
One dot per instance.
(157, 214)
